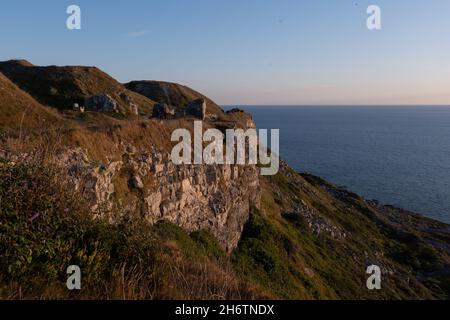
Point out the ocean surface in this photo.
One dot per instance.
(398, 155)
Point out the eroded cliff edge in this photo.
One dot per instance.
(216, 198)
(119, 159)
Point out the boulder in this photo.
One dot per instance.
(197, 108)
(137, 182)
(163, 111)
(130, 102)
(101, 103)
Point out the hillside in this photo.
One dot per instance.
(18, 109)
(101, 192)
(61, 87)
(320, 238)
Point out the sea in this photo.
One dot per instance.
(398, 155)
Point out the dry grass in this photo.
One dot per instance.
(126, 260)
(19, 110)
(60, 87)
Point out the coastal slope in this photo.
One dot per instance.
(97, 189)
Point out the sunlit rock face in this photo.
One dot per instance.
(216, 198)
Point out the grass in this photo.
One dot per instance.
(46, 226)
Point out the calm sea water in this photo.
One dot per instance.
(397, 155)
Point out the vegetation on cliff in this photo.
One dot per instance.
(304, 239)
(44, 228)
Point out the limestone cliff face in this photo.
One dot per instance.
(141, 179)
(216, 198)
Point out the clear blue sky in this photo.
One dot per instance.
(248, 51)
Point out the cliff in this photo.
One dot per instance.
(215, 198)
(96, 188)
(133, 171)
(173, 94)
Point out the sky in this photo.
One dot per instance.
(273, 52)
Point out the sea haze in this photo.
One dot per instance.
(399, 155)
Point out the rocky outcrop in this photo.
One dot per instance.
(163, 111)
(136, 182)
(102, 103)
(133, 107)
(318, 224)
(197, 108)
(93, 181)
(106, 103)
(216, 198)
(172, 94)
